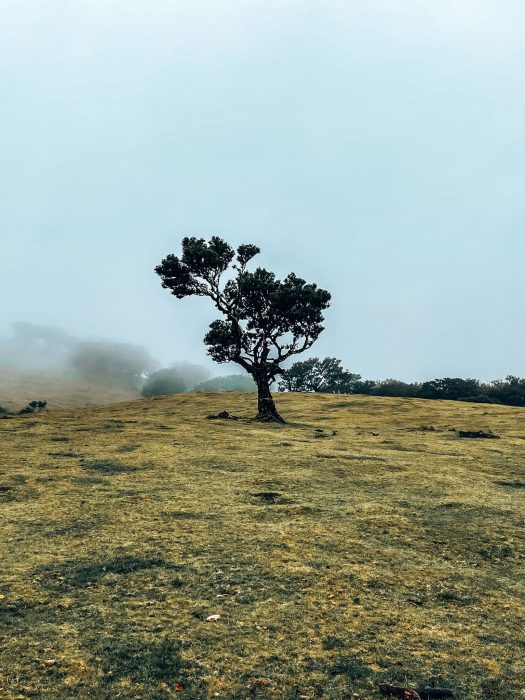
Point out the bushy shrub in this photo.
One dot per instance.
(510, 391)
(25, 410)
(164, 381)
(449, 388)
(38, 405)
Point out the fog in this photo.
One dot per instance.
(375, 148)
(52, 351)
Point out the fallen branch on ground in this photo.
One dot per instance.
(414, 693)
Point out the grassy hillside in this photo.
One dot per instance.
(345, 549)
(17, 388)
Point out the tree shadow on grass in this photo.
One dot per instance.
(77, 574)
(156, 665)
(106, 466)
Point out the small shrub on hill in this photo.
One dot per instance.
(164, 381)
(26, 410)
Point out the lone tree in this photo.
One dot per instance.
(317, 375)
(266, 320)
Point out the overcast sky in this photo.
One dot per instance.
(374, 147)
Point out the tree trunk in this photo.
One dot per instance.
(267, 410)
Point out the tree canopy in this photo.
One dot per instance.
(265, 321)
(317, 375)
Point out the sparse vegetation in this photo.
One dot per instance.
(335, 565)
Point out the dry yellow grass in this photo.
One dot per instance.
(344, 549)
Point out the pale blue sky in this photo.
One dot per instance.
(375, 147)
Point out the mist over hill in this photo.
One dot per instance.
(46, 362)
(43, 349)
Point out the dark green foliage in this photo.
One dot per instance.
(164, 381)
(25, 410)
(264, 320)
(328, 376)
(480, 398)
(33, 406)
(393, 387)
(325, 375)
(450, 388)
(510, 392)
(37, 405)
(230, 382)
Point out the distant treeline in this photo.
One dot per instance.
(49, 349)
(329, 376)
(174, 381)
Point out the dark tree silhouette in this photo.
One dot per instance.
(327, 375)
(266, 320)
(450, 388)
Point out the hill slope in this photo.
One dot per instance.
(347, 548)
(17, 388)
